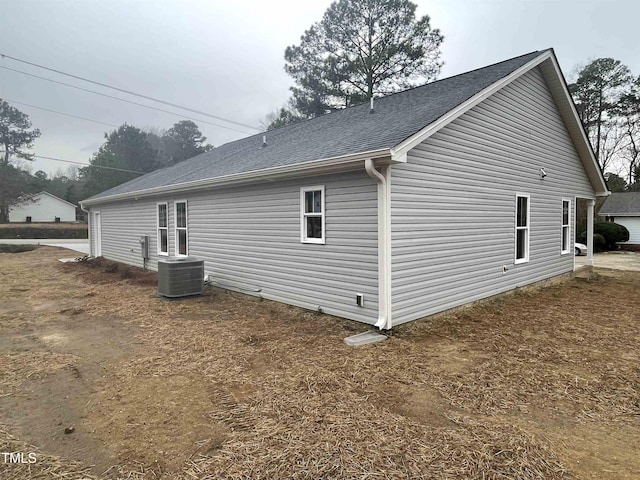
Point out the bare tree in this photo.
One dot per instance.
(596, 92)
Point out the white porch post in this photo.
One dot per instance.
(590, 215)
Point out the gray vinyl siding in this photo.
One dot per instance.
(249, 237)
(453, 202)
(122, 225)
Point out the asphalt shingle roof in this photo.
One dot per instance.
(344, 132)
(621, 203)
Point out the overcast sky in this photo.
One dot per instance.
(225, 57)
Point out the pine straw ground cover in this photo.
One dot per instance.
(17, 367)
(228, 386)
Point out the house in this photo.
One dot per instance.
(42, 207)
(624, 209)
(428, 199)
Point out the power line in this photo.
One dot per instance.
(61, 113)
(121, 99)
(130, 92)
(86, 165)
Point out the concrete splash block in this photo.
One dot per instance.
(364, 338)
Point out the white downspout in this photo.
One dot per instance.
(384, 242)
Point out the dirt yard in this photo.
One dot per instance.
(542, 384)
(619, 260)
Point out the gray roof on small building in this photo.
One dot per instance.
(624, 203)
(353, 130)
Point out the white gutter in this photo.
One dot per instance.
(610, 214)
(273, 173)
(384, 241)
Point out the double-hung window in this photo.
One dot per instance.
(566, 231)
(163, 229)
(522, 228)
(182, 235)
(312, 214)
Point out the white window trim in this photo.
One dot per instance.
(158, 227)
(303, 215)
(527, 228)
(176, 228)
(568, 225)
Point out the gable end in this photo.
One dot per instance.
(550, 69)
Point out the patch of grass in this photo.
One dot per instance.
(6, 248)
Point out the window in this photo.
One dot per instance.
(566, 215)
(312, 214)
(163, 229)
(182, 237)
(522, 228)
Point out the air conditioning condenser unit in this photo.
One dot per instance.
(180, 277)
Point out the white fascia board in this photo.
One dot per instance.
(414, 140)
(586, 151)
(326, 165)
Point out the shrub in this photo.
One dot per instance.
(40, 232)
(8, 248)
(598, 242)
(612, 233)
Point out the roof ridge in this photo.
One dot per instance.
(401, 91)
(454, 76)
(300, 122)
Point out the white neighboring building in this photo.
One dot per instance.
(43, 207)
(624, 208)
